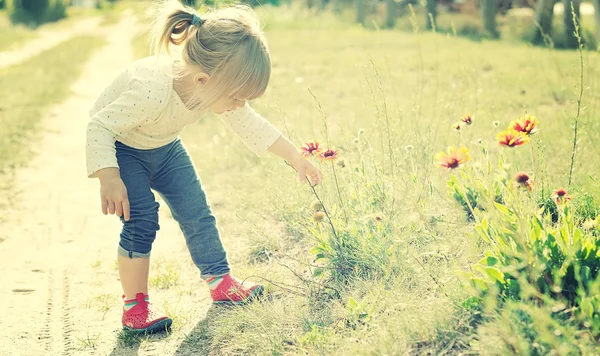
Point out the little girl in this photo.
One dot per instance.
(133, 144)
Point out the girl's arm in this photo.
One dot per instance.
(283, 148)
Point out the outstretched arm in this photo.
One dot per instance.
(283, 148)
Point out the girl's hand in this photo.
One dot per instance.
(306, 169)
(113, 193)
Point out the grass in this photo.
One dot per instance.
(165, 274)
(11, 36)
(30, 87)
(88, 341)
(389, 99)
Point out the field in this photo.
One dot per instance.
(385, 257)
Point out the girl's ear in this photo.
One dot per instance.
(201, 78)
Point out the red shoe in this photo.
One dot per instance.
(232, 291)
(141, 318)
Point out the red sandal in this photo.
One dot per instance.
(142, 318)
(232, 291)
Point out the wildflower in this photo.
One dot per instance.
(329, 155)
(319, 216)
(512, 138)
(523, 180)
(468, 119)
(454, 159)
(457, 126)
(316, 206)
(496, 123)
(310, 148)
(561, 196)
(526, 124)
(341, 163)
(408, 148)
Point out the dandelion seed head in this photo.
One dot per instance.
(316, 206)
(319, 216)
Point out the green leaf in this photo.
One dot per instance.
(587, 308)
(586, 275)
(479, 284)
(495, 274)
(484, 223)
(503, 209)
(488, 261)
(352, 303)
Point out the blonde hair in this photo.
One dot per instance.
(227, 44)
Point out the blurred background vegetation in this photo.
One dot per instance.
(542, 22)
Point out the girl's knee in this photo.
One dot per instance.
(131, 253)
(137, 236)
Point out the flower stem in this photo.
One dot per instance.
(576, 125)
(312, 187)
(337, 186)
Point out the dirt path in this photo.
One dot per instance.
(60, 293)
(48, 39)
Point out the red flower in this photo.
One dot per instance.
(561, 196)
(512, 138)
(454, 159)
(527, 125)
(467, 119)
(310, 148)
(524, 180)
(329, 155)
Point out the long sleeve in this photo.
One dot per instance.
(256, 132)
(124, 105)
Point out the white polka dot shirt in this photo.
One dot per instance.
(141, 109)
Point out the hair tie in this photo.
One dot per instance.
(195, 19)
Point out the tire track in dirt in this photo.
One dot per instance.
(46, 333)
(56, 332)
(66, 322)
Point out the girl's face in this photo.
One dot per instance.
(225, 104)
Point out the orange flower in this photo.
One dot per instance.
(310, 148)
(524, 180)
(467, 119)
(457, 126)
(526, 124)
(454, 159)
(561, 196)
(512, 138)
(329, 155)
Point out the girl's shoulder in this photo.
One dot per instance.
(153, 72)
